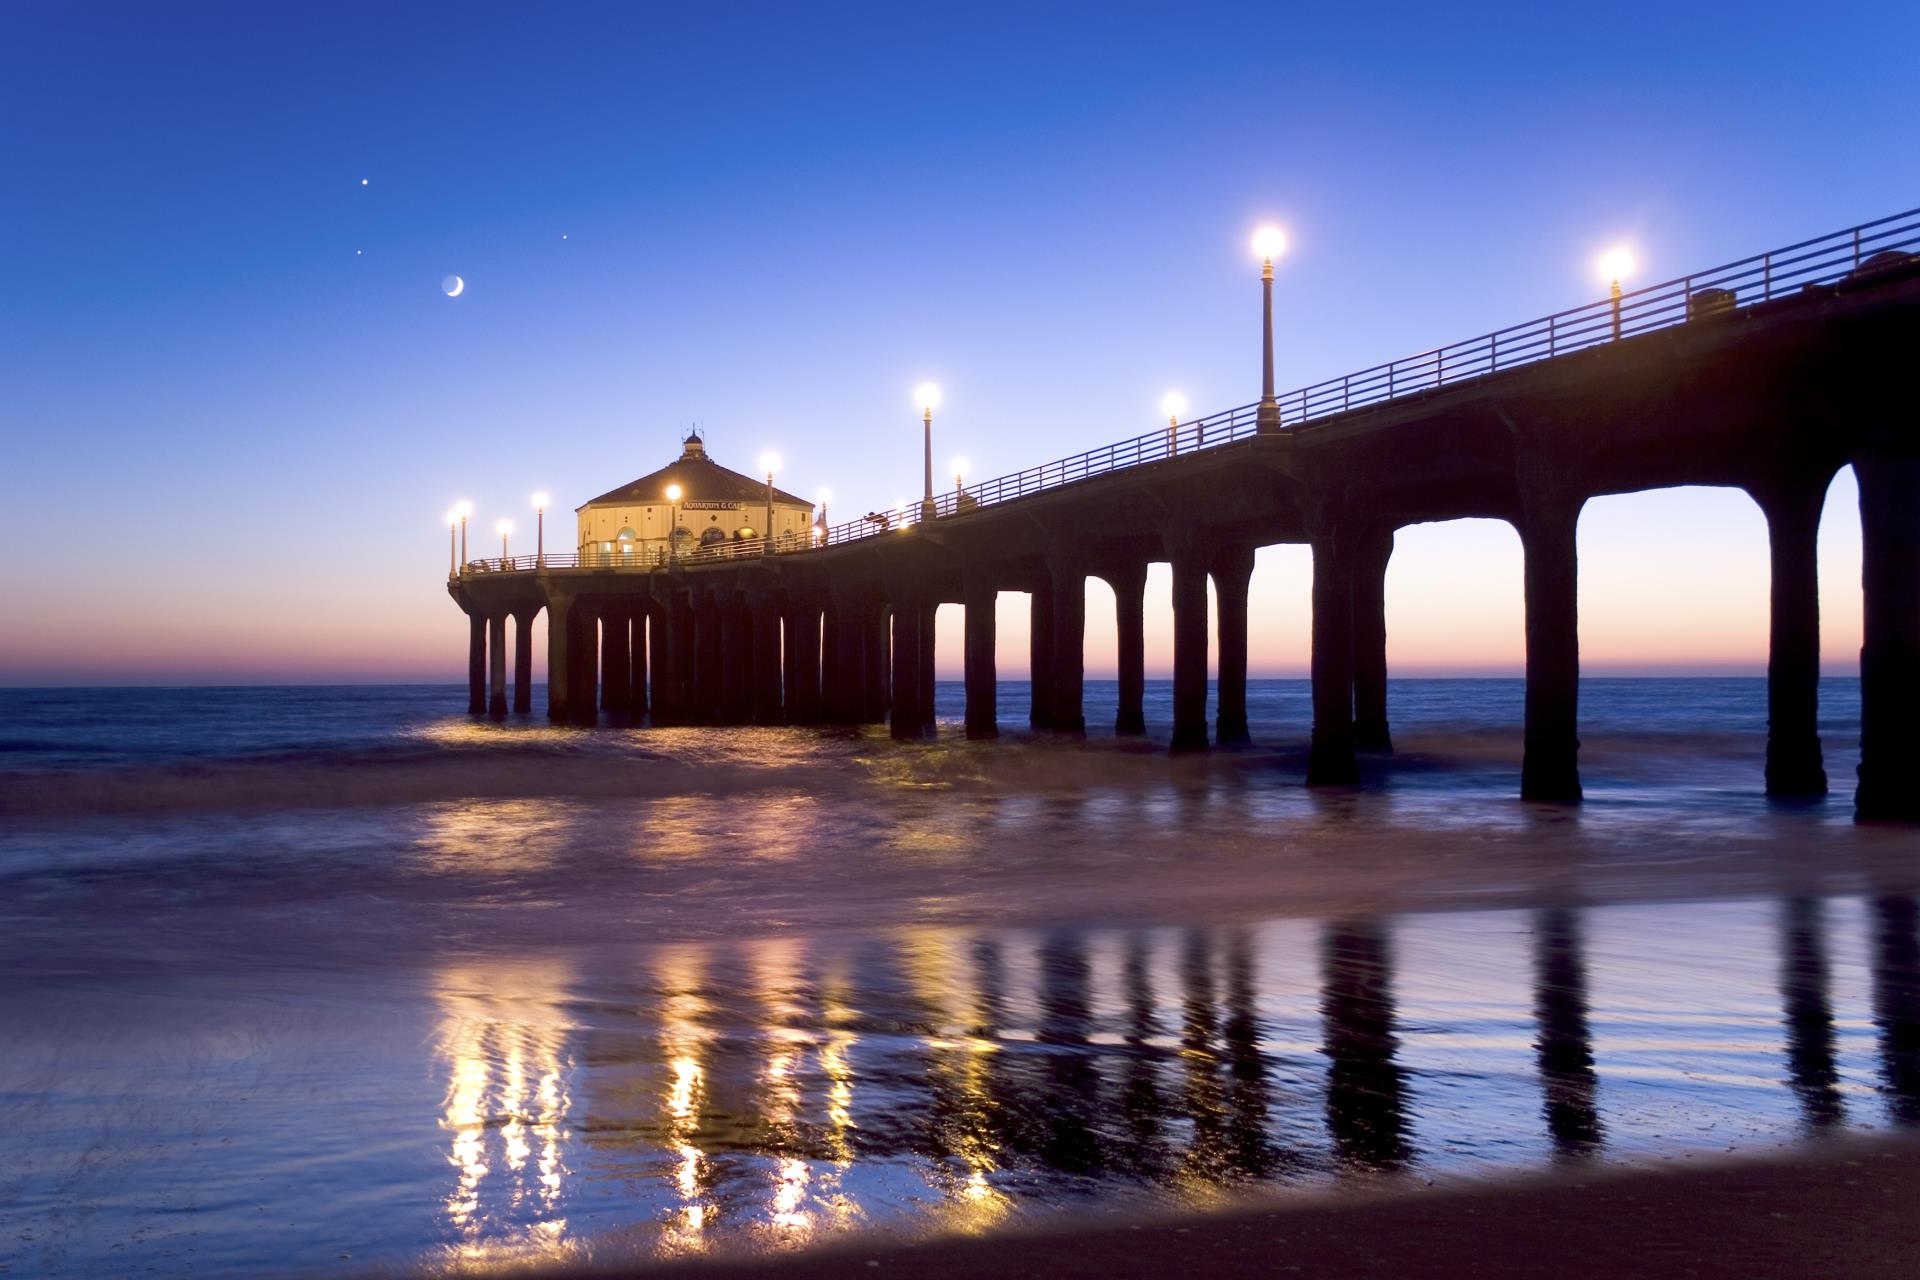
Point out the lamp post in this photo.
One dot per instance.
(453, 549)
(1615, 265)
(1173, 404)
(769, 463)
(463, 510)
(927, 395)
(540, 529)
(820, 522)
(504, 528)
(1268, 243)
(673, 522)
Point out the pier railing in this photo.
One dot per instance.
(1857, 252)
(635, 557)
(1871, 247)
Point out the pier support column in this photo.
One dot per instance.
(637, 646)
(1232, 574)
(928, 613)
(766, 658)
(736, 679)
(1890, 650)
(672, 654)
(1550, 769)
(1189, 650)
(802, 677)
(983, 689)
(476, 664)
(1040, 653)
(1069, 667)
(706, 668)
(1129, 618)
(1372, 549)
(1330, 757)
(907, 720)
(523, 662)
(876, 663)
(497, 666)
(616, 658)
(833, 664)
(1794, 766)
(583, 656)
(559, 606)
(844, 669)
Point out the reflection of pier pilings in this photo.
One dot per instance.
(1140, 1100)
(1004, 1125)
(1066, 1021)
(1199, 1023)
(1565, 1046)
(1808, 1013)
(1896, 1003)
(1365, 1087)
(1248, 1150)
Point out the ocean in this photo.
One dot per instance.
(306, 980)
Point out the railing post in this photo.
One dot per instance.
(1766, 278)
(1493, 352)
(1440, 367)
(1346, 393)
(1856, 248)
(1551, 326)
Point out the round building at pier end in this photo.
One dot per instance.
(639, 523)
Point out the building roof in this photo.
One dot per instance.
(700, 478)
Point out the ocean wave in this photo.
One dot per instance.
(30, 746)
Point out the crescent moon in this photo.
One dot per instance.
(453, 285)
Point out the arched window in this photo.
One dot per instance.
(710, 536)
(628, 535)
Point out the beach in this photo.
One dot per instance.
(1839, 1211)
(333, 980)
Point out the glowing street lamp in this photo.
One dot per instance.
(1268, 244)
(463, 509)
(1173, 404)
(927, 396)
(959, 468)
(540, 528)
(769, 463)
(820, 525)
(1616, 264)
(453, 550)
(673, 520)
(504, 528)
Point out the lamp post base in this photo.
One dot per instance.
(1267, 418)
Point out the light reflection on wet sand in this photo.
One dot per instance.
(938, 1080)
(503, 1045)
(770, 1093)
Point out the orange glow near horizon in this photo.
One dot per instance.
(1670, 581)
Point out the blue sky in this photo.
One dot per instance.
(227, 365)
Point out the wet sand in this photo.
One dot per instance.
(455, 995)
(1841, 1209)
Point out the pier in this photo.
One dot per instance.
(1767, 375)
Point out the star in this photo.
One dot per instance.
(363, 182)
